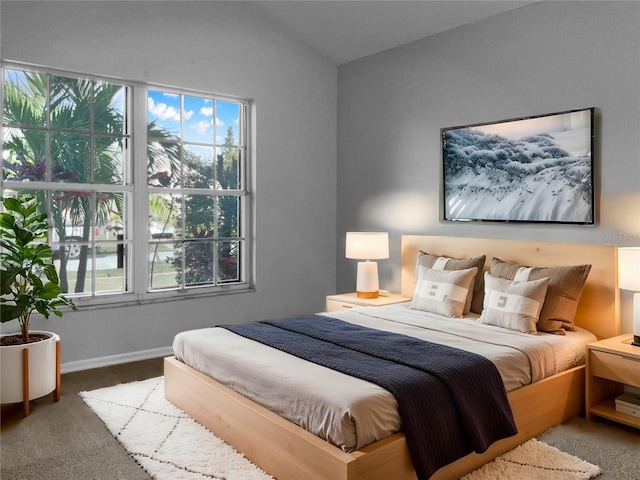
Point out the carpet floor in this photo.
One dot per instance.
(65, 440)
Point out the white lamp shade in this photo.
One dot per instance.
(367, 245)
(629, 268)
(629, 279)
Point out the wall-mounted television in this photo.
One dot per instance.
(533, 169)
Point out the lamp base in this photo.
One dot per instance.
(367, 294)
(636, 340)
(367, 285)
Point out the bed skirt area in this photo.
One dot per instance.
(289, 452)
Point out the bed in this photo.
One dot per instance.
(289, 452)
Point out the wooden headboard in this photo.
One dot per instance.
(599, 307)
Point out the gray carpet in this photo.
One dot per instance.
(613, 447)
(65, 440)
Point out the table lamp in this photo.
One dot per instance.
(367, 246)
(629, 279)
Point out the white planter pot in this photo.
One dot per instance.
(42, 369)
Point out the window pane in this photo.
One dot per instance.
(75, 273)
(198, 167)
(111, 262)
(200, 215)
(165, 261)
(198, 120)
(228, 217)
(24, 155)
(109, 161)
(109, 105)
(21, 194)
(110, 208)
(198, 263)
(227, 123)
(163, 132)
(25, 95)
(71, 215)
(163, 113)
(163, 216)
(227, 169)
(70, 158)
(228, 265)
(163, 163)
(71, 100)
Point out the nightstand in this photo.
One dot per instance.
(346, 301)
(611, 364)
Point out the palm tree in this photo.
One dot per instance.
(66, 105)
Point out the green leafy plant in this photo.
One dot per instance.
(25, 261)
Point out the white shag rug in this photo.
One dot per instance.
(170, 445)
(163, 439)
(535, 460)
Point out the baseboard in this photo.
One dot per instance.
(68, 367)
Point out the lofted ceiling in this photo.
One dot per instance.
(345, 30)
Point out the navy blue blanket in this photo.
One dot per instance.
(451, 402)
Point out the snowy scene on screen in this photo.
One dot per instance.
(532, 170)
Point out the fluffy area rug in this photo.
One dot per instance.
(169, 445)
(163, 439)
(535, 460)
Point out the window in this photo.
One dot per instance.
(123, 226)
(196, 190)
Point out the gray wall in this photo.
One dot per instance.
(224, 49)
(542, 58)
(539, 59)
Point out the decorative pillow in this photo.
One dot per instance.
(565, 288)
(474, 300)
(442, 291)
(511, 304)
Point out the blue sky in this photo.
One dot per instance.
(199, 124)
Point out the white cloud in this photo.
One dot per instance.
(206, 111)
(188, 115)
(219, 123)
(162, 110)
(201, 127)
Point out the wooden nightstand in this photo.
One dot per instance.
(611, 364)
(345, 301)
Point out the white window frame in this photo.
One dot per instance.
(138, 191)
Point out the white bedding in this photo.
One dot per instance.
(349, 412)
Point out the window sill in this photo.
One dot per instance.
(128, 300)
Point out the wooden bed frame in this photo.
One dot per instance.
(289, 452)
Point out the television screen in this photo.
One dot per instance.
(534, 169)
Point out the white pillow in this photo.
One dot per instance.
(513, 305)
(442, 291)
(476, 292)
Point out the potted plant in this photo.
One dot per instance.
(29, 282)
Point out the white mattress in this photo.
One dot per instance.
(351, 413)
